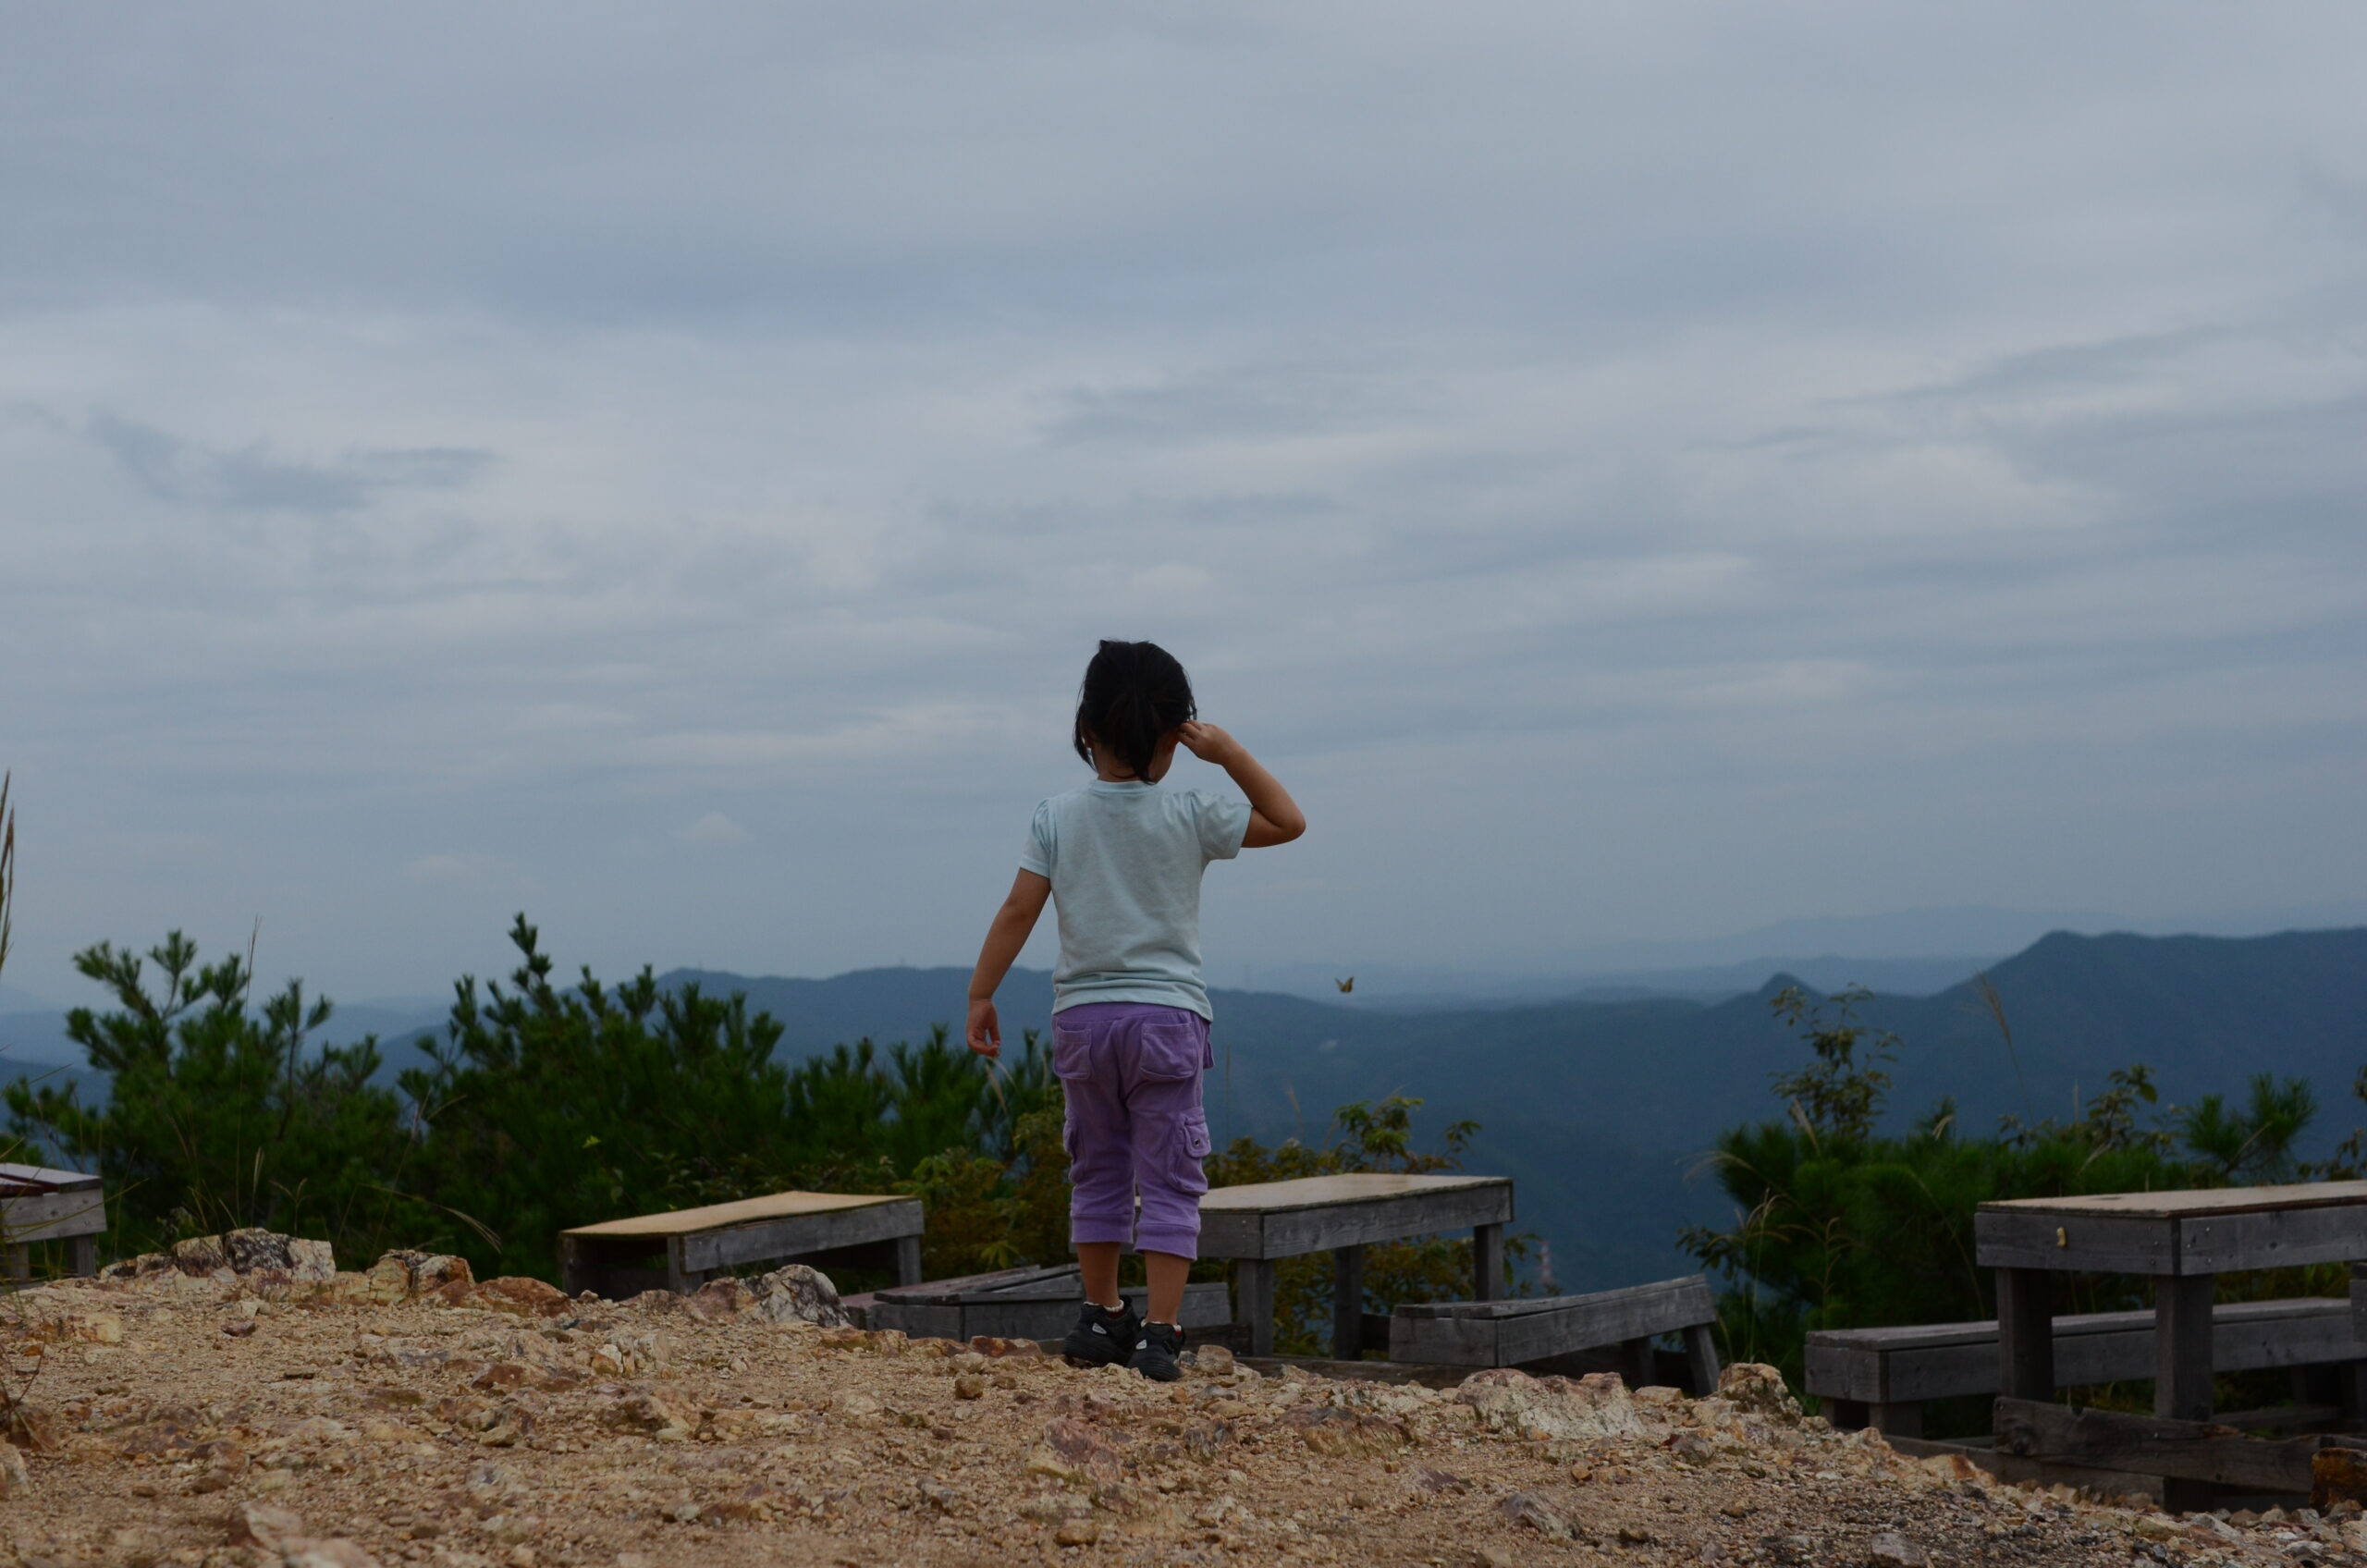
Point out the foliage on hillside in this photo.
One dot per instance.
(546, 1106)
(220, 1114)
(1839, 1226)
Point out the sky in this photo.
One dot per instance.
(1635, 472)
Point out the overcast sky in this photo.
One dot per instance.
(1634, 471)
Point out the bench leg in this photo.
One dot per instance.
(574, 1274)
(2350, 1389)
(1252, 1284)
(908, 1260)
(1896, 1420)
(1637, 1363)
(1701, 1359)
(17, 1262)
(1347, 1303)
(2026, 1333)
(680, 1279)
(1487, 1262)
(2182, 1346)
(82, 1255)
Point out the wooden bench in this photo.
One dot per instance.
(40, 1204)
(1880, 1377)
(1260, 1221)
(1017, 1303)
(1541, 1328)
(683, 1250)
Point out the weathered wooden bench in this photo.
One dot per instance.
(1258, 1222)
(38, 1204)
(681, 1250)
(1880, 1377)
(1016, 1304)
(1536, 1330)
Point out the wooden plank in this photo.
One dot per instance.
(1347, 1303)
(1330, 1191)
(2026, 1333)
(2102, 1245)
(1949, 1370)
(796, 1235)
(934, 1292)
(2282, 1238)
(1487, 1262)
(47, 1216)
(1293, 1231)
(713, 1216)
(16, 1178)
(1690, 1288)
(1938, 1361)
(1918, 1336)
(2182, 1347)
(1486, 1336)
(2155, 1445)
(2187, 1202)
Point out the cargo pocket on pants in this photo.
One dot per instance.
(1191, 1145)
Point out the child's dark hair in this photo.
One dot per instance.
(1134, 692)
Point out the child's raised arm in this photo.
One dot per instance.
(1274, 817)
(1005, 936)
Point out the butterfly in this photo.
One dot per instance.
(1346, 986)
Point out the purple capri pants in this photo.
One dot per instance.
(1131, 1072)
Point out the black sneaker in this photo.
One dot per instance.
(1155, 1352)
(1102, 1338)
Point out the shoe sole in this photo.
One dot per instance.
(1075, 1357)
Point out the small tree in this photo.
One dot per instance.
(219, 1116)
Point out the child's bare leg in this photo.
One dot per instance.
(1098, 1263)
(1167, 1273)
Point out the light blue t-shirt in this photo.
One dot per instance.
(1124, 861)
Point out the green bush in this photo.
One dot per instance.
(1839, 1227)
(219, 1115)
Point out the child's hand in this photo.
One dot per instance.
(985, 1032)
(1207, 743)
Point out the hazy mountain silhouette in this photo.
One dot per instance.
(1599, 1107)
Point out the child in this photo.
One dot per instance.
(1122, 860)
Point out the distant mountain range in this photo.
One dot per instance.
(1599, 1107)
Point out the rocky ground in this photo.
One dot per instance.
(413, 1415)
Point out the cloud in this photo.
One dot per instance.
(714, 828)
(1646, 471)
(250, 478)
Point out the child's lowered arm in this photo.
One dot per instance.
(1274, 817)
(1005, 936)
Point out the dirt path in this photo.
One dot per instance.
(181, 1420)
